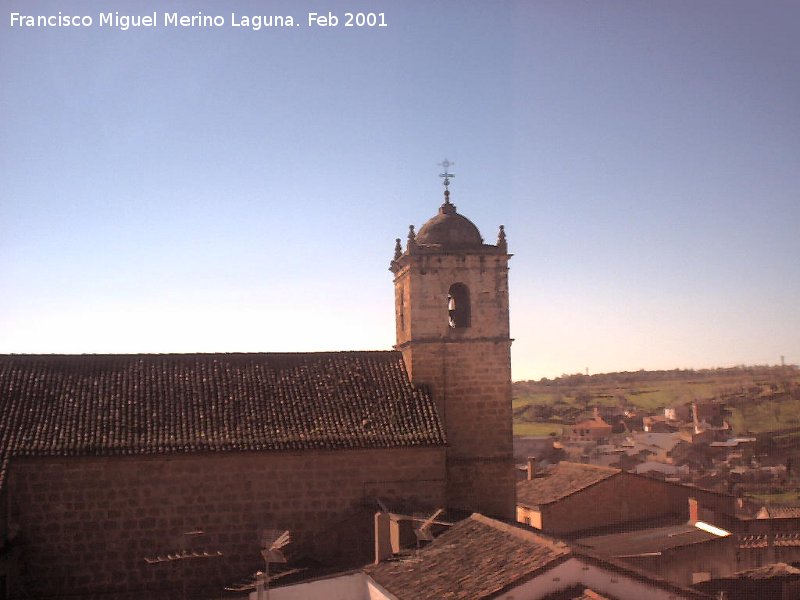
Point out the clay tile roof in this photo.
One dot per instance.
(781, 512)
(481, 558)
(776, 570)
(644, 541)
(476, 558)
(564, 479)
(166, 403)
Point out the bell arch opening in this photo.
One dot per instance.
(458, 306)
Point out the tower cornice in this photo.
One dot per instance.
(405, 258)
(448, 340)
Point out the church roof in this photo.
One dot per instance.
(449, 230)
(166, 403)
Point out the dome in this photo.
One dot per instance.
(449, 229)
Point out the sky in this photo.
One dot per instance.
(227, 189)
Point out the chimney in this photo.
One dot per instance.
(531, 467)
(401, 532)
(383, 538)
(694, 511)
(695, 419)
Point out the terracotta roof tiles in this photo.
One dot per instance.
(474, 559)
(166, 403)
(780, 512)
(564, 479)
(644, 541)
(775, 570)
(482, 558)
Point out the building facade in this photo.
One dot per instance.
(109, 464)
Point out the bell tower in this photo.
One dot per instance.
(451, 313)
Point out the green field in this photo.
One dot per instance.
(765, 415)
(750, 393)
(536, 429)
(792, 497)
(536, 398)
(648, 398)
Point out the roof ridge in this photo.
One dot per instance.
(631, 570)
(523, 534)
(565, 550)
(682, 484)
(177, 354)
(591, 466)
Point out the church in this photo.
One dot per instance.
(115, 467)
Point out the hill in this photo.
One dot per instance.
(759, 398)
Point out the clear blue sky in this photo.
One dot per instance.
(225, 189)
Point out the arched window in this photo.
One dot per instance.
(458, 308)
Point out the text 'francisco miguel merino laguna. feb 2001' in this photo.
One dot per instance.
(125, 22)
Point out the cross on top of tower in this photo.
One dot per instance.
(446, 164)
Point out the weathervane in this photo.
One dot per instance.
(446, 175)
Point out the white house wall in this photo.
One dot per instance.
(351, 586)
(576, 572)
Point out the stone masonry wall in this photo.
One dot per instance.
(467, 370)
(87, 523)
(425, 283)
(471, 383)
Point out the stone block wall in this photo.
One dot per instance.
(466, 369)
(88, 523)
(470, 381)
(421, 289)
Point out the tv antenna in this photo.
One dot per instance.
(423, 532)
(271, 543)
(185, 541)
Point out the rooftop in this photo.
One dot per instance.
(563, 480)
(646, 541)
(779, 512)
(444, 233)
(770, 571)
(474, 559)
(481, 558)
(168, 403)
(663, 441)
(449, 230)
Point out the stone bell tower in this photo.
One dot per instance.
(451, 311)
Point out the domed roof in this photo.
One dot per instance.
(448, 229)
